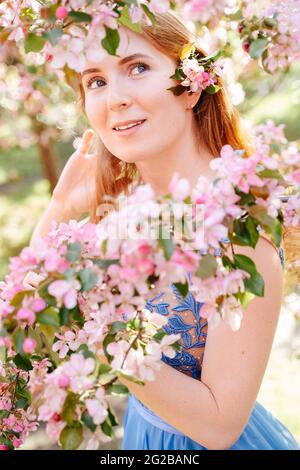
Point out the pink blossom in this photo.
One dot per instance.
(65, 292)
(38, 305)
(179, 187)
(64, 381)
(97, 407)
(79, 371)
(29, 345)
(25, 315)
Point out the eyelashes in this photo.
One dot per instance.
(98, 79)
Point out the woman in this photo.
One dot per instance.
(204, 400)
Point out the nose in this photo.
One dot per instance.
(117, 97)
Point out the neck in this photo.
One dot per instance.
(187, 156)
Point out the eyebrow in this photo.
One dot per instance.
(121, 62)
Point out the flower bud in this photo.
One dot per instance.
(56, 417)
(61, 13)
(29, 345)
(246, 46)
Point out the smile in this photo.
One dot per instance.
(130, 128)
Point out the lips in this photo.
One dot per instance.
(122, 126)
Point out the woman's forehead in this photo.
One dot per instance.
(131, 44)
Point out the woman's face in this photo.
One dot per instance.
(134, 89)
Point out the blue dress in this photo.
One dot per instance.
(145, 430)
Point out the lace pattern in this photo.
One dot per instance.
(184, 318)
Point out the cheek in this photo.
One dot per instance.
(94, 109)
(169, 112)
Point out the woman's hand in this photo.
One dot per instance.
(76, 187)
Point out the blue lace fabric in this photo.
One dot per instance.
(186, 320)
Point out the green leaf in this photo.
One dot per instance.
(255, 284)
(133, 378)
(4, 414)
(276, 232)
(207, 266)
(71, 437)
(83, 348)
(22, 403)
(77, 315)
(80, 16)
(108, 339)
(177, 90)
(88, 279)
(88, 421)
(251, 227)
(3, 353)
(111, 41)
(106, 378)
(267, 173)
(166, 243)
(69, 409)
(178, 75)
(245, 199)
(34, 43)
(104, 368)
(149, 13)
(53, 35)
(105, 263)
(159, 335)
(74, 252)
(117, 389)
(271, 225)
(211, 89)
(23, 362)
(244, 298)
(49, 317)
(227, 263)
(17, 299)
(69, 274)
(257, 47)
(125, 20)
(245, 263)
(240, 234)
(212, 57)
(43, 293)
(112, 417)
(182, 288)
(107, 428)
(18, 338)
(117, 326)
(64, 316)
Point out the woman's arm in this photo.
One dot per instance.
(215, 410)
(57, 211)
(75, 189)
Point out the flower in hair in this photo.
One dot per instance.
(197, 73)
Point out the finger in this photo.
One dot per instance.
(86, 142)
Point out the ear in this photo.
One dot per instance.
(192, 99)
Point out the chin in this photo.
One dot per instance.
(133, 158)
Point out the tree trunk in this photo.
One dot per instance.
(48, 157)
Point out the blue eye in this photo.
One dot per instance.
(99, 80)
(140, 64)
(92, 80)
